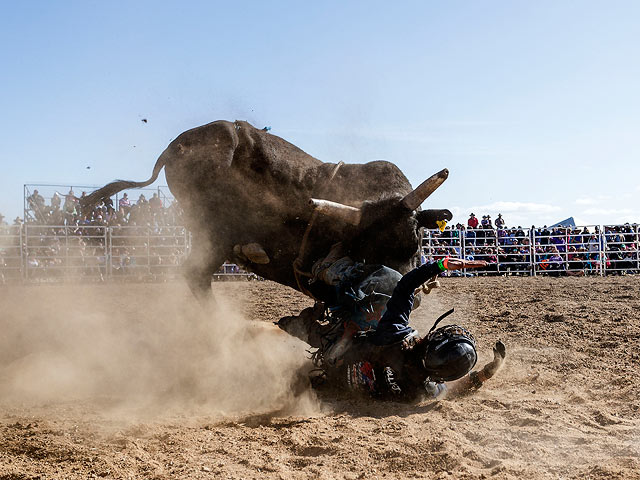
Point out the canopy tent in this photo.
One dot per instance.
(567, 222)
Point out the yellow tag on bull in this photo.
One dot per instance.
(441, 224)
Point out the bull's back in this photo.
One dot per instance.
(224, 162)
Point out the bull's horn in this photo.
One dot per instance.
(426, 188)
(337, 210)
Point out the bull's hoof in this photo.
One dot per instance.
(255, 253)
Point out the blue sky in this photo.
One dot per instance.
(533, 106)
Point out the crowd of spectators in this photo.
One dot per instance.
(146, 238)
(66, 210)
(557, 250)
(63, 240)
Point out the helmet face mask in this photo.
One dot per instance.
(449, 354)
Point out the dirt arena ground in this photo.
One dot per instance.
(136, 381)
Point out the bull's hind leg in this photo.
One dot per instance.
(205, 259)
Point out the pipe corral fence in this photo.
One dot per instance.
(52, 253)
(57, 253)
(584, 250)
(60, 242)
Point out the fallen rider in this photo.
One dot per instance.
(390, 360)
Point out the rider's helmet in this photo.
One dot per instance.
(449, 353)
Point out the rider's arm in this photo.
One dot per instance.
(394, 324)
(416, 277)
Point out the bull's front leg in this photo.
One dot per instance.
(204, 260)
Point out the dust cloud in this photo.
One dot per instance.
(148, 354)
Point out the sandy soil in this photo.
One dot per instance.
(135, 381)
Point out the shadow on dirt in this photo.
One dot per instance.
(334, 401)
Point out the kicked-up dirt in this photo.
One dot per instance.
(137, 381)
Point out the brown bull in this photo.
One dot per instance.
(245, 188)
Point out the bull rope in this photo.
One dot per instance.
(297, 263)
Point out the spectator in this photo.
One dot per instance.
(55, 202)
(125, 205)
(69, 207)
(472, 222)
(558, 239)
(544, 236)
(499, 221)
(486, 223)
(156, 204)
(35, 202)
(470, 235)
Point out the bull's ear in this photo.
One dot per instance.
(430, 218)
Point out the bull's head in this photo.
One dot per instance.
(388, 231)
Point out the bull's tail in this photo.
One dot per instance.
(112, 188)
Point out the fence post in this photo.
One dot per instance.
(105, 253)
(108, 251)
(24, 203)
(533, 252)
(66, 253)
(637, 242)
(21, 246)
(497, 242)
(602, 249)
(566, 249)
(24, 249)
(463, 246)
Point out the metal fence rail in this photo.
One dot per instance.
(136, 251)
(63, 252)
(45, 253)
(54, 253)
(584, 250)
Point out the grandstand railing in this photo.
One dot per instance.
(53, 253)
(584, 250)
(152, 251)
(621, 247)
(45, 253)
(63, 252)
